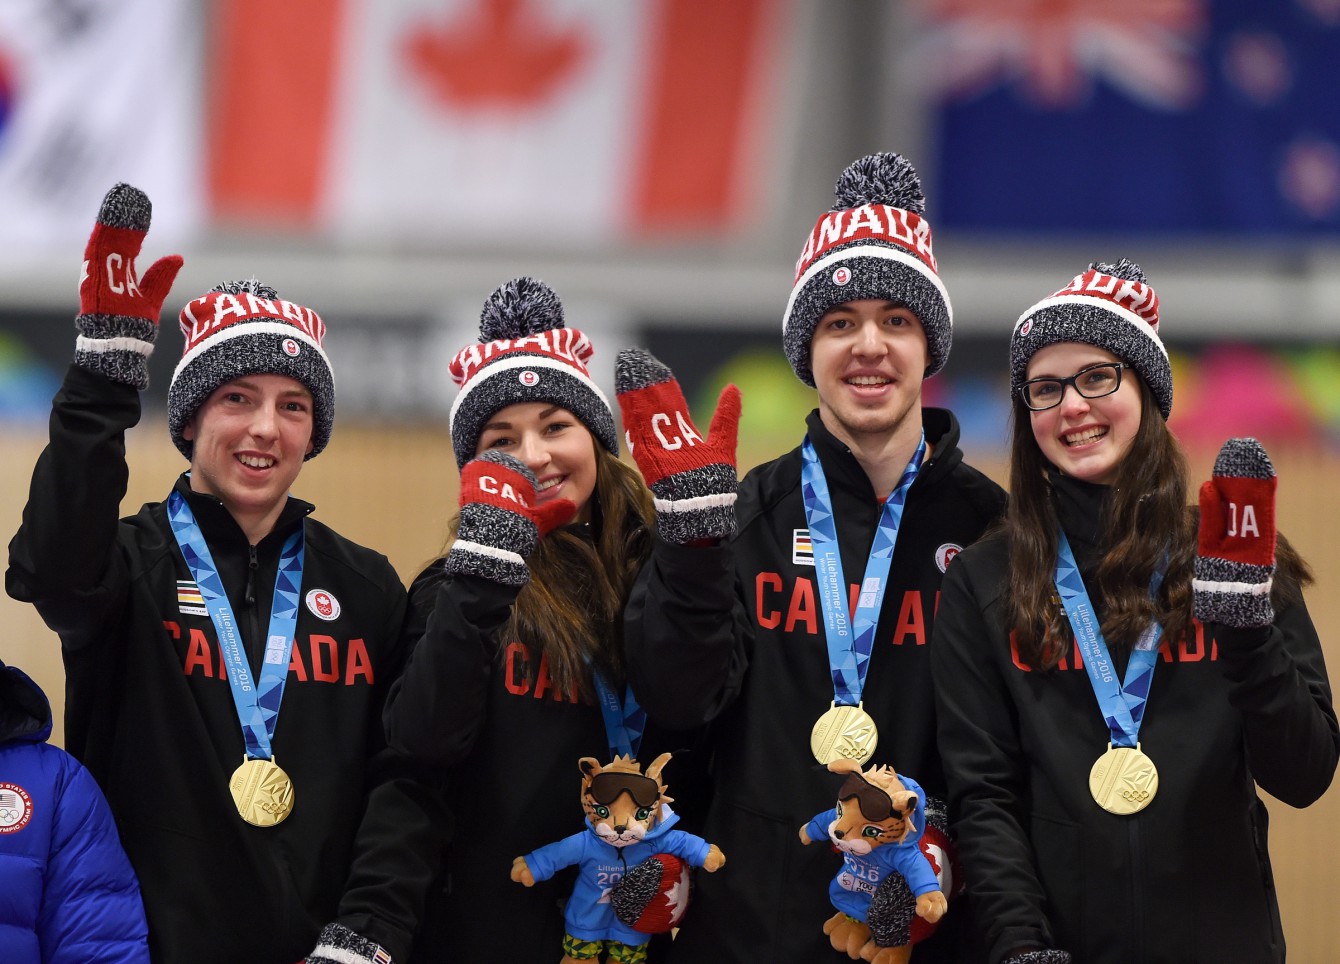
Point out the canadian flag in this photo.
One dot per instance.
(532, 122)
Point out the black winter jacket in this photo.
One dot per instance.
(1185, 880)
(487, 710)
(149, 710)
(734, 635)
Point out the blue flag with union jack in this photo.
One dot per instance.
(1175, 116)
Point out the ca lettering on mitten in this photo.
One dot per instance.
(1235, 559)
(692, 477)
(118, 314)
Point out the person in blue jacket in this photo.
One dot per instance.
(67, 892)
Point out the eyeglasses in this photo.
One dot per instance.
(1040, 394)
(606, 787)
(875, 803)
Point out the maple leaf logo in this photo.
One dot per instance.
(500, 55)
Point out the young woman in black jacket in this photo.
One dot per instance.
(518, 669)
(1125, 827)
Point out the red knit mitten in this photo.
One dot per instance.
(118, 310)
(501, 522)
(692, 478)
(1235, 556)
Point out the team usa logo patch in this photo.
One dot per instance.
(802, 548)
(945, 555)
(16, 808)
(323, 605)
(189, 600)
(529, 378)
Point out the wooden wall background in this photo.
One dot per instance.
(392, 488)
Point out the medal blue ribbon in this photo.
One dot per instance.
(624, 722)
(851, 640)
(1123, 705)
(257, 704)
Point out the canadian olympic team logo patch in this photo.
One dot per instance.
(529, 378)
(841, 276)
(323, 605)
(16, 808)
(945, 555)
(1026, 327)
(291, 348)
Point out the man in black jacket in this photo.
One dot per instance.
(253, 811)
(804, 637)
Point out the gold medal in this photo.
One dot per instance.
(1123, 780)
(844, 733)
(262, 792)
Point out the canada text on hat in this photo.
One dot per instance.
(206, 315)
(878, 221)
(566, 345)
(1122, 295)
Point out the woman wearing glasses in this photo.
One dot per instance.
(1116, 673)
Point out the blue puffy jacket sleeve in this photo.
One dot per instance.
(91, 908)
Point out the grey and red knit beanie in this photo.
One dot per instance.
(1110, 306)
(525, 354)
(873, 243)
(244, 328)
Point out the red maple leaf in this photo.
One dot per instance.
(498, 55)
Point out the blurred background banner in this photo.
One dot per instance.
(488, 121)
(92, 90)
(1140, 116)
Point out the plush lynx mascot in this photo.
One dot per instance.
(625, 853)
(885, 878)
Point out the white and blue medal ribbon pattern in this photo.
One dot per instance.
(257, 703)
(850, 641)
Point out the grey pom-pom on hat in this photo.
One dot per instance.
(242, 328)
(525, 354)
(1109, 306)
(874, 243)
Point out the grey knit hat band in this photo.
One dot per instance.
(1097, 322)
(866, 270)
(518, 377)
(260, 347)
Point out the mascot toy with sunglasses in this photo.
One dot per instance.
(632, 880)
(885, 878)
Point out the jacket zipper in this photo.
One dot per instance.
(249, 593)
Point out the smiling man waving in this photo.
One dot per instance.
(876, 498)
(254, 812)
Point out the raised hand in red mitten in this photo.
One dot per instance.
(118, 310)
(692, 478)
(1235, 555)
(501, 520)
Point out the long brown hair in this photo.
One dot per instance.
(570, 613)
(1146, 515)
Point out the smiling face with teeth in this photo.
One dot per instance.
(553, 443)
(869, 360)
(248, 441)
(1086, 438)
